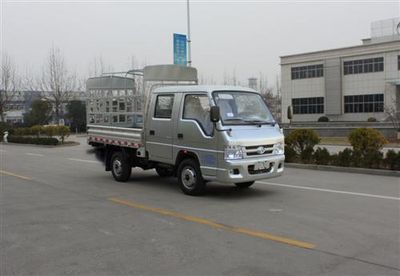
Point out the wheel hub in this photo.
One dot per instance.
(188, 177)
(117, 167)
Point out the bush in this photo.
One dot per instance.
(373, 159)
(36, 130)
(302, 141)
(290, 155)
(392, 160)
(372, 119)
(62, 132)
(33, 140)
(50, 130)
(307, 155)
(343, 158)
(366, 140)
(322, 156)
(323, 119)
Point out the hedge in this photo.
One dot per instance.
(40, 131)
(33, 140)
(366, 153)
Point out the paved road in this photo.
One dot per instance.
(62, 214)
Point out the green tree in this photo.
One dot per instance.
(76, 115)
(40, 113)
(367, 144)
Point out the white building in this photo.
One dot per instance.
(345, 84)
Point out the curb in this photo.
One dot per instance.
(43, 146)
(343, 169)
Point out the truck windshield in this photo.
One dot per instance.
(242, 108)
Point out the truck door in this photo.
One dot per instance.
(194, 131)
(159, 140)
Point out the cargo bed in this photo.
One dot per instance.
(110, 135)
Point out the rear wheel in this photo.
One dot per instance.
(120, 167)
(164, 172)
(244, 185)
(190, 179)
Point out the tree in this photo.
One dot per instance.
(40, 113)
(8, 85)
(77, 115)
(393, 115)
(57, 82)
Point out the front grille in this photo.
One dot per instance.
(254, 150)
(252, 171)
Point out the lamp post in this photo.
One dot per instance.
(189, 62)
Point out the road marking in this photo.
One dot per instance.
(329, 190)
(83, 160)
(245, 231)
(1, 150)
(15, 175)
(34, 154)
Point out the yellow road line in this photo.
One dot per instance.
(245, 231)
(15, 175)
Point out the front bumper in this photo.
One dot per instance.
(242, 170)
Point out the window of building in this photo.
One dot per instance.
(360, 66)
(163, 107)
(363, 103)
(313, 105)
(306, 72)
(398, 62)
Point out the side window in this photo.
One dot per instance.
(163, 107)
(197, 107)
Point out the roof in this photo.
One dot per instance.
(201, 88)
(362, 49)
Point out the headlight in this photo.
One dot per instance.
(279, 148)
(233, 152)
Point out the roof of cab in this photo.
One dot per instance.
(201, 88)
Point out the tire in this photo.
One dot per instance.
(244, 185)
(120, 167)
(163, 172)
(190, 179)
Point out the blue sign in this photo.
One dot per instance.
(180, 52)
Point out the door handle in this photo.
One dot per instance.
(152, 132)
(180, 136)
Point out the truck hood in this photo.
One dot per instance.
(253, 135)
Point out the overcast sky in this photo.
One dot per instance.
(245, 37)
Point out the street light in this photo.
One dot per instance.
(188, 35)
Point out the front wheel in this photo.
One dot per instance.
(244, 185)
(190, 179)
(120, 167)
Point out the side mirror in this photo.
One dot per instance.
(214, 114)
(289, 112)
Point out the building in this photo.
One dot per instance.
(21, 103)
(345, 84)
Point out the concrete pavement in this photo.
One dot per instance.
(59, 218)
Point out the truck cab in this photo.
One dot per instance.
(241, 145)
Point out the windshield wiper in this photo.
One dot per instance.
(260, 122)
(234, 119)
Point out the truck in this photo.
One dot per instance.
(197, 133)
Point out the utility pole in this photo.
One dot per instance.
(188, 36)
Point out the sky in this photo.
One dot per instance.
(229, 38)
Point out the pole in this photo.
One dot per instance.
(189, 62)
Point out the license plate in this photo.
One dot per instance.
(261, 166)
